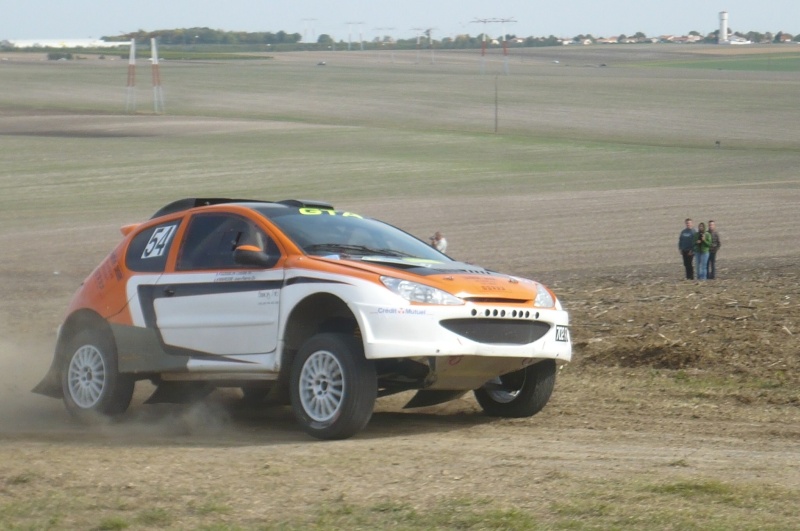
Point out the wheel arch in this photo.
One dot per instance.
(80, 320)
(317, 313)
(76, 322)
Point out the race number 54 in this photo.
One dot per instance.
(158, 242)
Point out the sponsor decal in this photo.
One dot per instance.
(107, 271)
(234, 276)
(325, 212)
(268, 297)
(402, 311)
(493, 288)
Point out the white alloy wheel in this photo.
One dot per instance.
(321, 386)
(86, 376)
(332, 386)
(90, 380)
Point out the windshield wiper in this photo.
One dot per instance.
(341, 247)
(393, 252)
(352, 249)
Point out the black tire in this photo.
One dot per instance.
(519, 394)
(333, 387)
(90, 380)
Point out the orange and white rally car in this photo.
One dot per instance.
(299, 303)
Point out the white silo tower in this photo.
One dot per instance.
(722, 38)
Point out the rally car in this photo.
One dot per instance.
(298, 303)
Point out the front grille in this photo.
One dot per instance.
(497, 331)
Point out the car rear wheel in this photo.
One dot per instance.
(90, 380)
(333, 387)
(519, 394)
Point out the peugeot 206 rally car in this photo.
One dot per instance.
(297, 303)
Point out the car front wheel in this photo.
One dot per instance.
(522, 393)
(333, 387)
(90, 381)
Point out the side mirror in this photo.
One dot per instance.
(250, 255)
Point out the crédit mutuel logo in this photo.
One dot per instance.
(402, 311)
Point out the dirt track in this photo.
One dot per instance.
(671, 380)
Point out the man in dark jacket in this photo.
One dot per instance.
(716, 243)
(686, 247)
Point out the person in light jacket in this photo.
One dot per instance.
(702, 247)
(439, 242)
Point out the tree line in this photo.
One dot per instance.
(282, 39)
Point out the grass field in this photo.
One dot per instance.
(680, 411)
(363, 131)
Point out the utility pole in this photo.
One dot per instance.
(419, 36)
(483, 21)
(306, 21)
(130, 92)
(158, 92)
(501, 21)
(350, 32)
(429, 33)
(391, 40)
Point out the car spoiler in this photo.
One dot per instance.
(193, 202)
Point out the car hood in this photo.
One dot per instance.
(466, 281)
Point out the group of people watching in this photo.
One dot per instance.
(699, 247)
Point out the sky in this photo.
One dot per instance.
(81, 19)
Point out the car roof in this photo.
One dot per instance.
(194, 202)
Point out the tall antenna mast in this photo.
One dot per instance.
(158, 93)
(483, 21)
(130, 91)
(429, 33)
(503, 22)
(350, 32)
(305, 31)
(419, 36)
(391, 40)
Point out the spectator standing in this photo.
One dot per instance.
(716, 243)
(702, 246)
(686, 247)
(439, 242)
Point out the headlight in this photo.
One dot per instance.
(415, 292)
(543, 297)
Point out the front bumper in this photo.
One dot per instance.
(498, 331)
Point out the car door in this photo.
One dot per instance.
(211, 306)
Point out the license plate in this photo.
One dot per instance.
(562, 333)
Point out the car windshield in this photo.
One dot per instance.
(328, 232)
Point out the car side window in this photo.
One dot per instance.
(211, 239)
(149, 249)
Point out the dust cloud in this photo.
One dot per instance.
(24, 362)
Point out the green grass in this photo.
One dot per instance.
(788, 62)
(634, 502)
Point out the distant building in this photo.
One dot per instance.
(722, 36)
